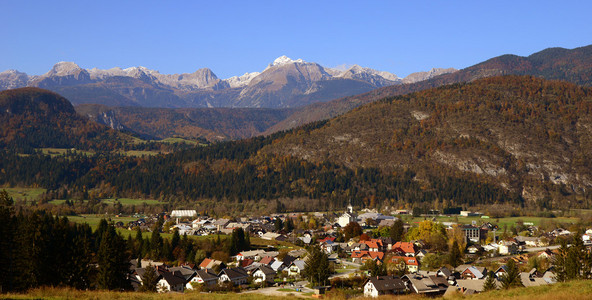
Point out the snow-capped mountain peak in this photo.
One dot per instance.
(283, 60)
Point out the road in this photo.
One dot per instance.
(346, 271)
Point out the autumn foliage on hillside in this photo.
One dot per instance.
(521, 133)
(36, 118)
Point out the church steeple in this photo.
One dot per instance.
(350, 208)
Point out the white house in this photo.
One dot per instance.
(205, 276)
(170, 283)
(296, 267)
(383, 285)
(264, 274)
(237, 276)
(507, 247)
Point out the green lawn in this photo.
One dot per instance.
(19, 194)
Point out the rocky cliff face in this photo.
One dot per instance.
(421, 76)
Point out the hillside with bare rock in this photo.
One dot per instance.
(526, 135)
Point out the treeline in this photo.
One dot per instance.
(38, 249)
(226, 172)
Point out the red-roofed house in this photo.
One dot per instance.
(267, 260)
(364, 256)
(374, 245)
(406, 248)
(246, 262)
(329, 238)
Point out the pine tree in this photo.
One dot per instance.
(176, 239)
(455, 257)
(396, 231)
(512, 276)
(490, 282)
(139, 242)
(149, 280)
(156, 243)
(560, 262)
(316, 268)
(7, 243)
(113, 260)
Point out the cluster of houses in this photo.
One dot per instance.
(464, 279)
(256, 266)
(263, 267)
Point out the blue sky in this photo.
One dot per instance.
(234, 37)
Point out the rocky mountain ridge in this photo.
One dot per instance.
(283, 83)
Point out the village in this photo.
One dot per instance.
(369, 254)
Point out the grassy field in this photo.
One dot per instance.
(574, 290)
(509, 221)
(130, 201)
(19, 194)
(62, 151)
(123, 201)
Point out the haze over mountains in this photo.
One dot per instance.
(283, 83)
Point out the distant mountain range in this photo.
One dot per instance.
(573, 65)
(282, 84)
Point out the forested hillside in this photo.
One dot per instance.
(36, 118)
(520, 133)
(213, 124)
(498, 140)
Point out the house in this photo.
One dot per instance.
(296, 267)
(421, 254)
(500, 271)
(264, 274)
(277, 265)
(183, 271)
(169, 282)
(531, 279)
(507, 247)
(329, 247)
(270, 236)
(253, 254)
(364, 256)
(426, 285)
(472, 272)
(198, 224)
(267, 260)
(209, 263)
(237, 276)
(474, 249)
(221, 224)
(374, 245)
(546, 254)
(407, 248)
(530, 241)
(383, 285)
(474, 284)
(411, 263)
(205, 276)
